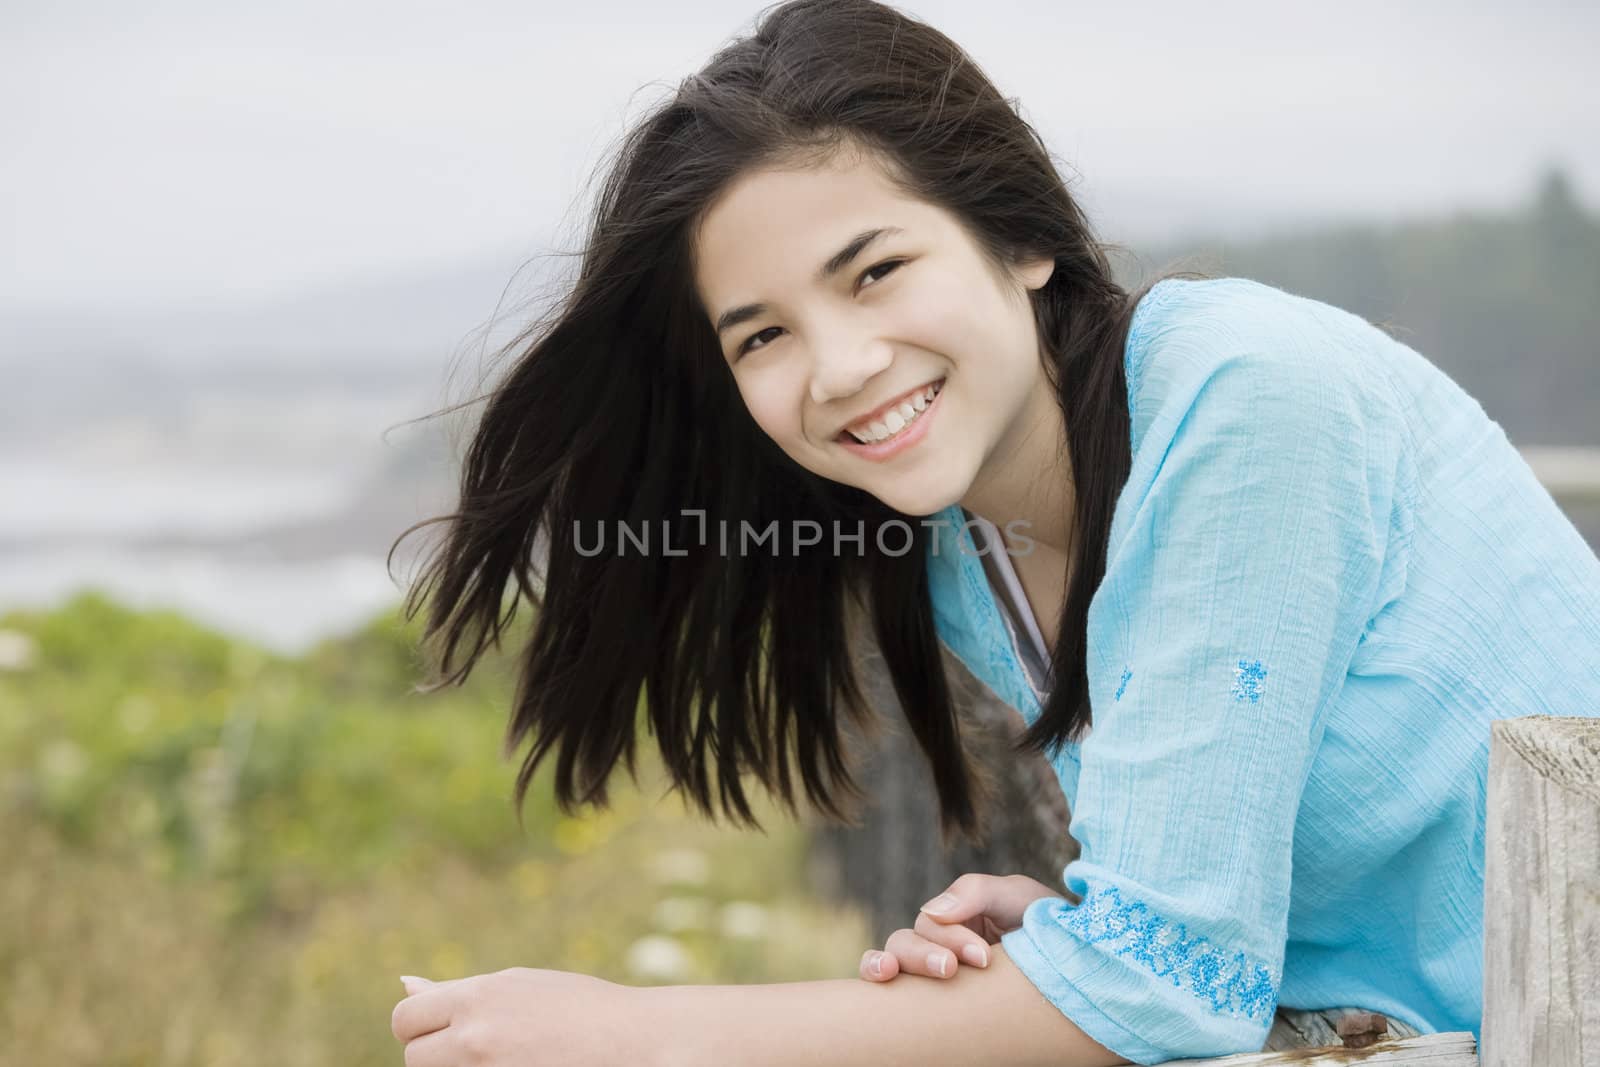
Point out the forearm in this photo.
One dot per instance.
(989, 1015)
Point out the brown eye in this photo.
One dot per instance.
(887, 266)
(876, 273)
(746, 347)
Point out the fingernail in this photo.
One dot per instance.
(975, 955)
(875, 965)
(407, 980)
(936, 962)
(940, 904)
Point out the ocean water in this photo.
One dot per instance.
(286, 605)
(264, 510)
(55, 498)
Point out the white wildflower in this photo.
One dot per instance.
(741, 918)
(658, 957)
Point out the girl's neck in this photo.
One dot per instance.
(1027, 480)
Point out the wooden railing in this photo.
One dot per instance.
(1542, 864)
(1541, 987)
(1541, 965)
(1572, 475)
(1431, 1050)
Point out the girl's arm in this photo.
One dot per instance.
(993, 1015)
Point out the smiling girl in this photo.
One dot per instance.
(1255, 577)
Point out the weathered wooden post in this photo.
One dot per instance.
(897, 860)
(1541, 989)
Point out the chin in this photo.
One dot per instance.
(920, 501)
(928, 490)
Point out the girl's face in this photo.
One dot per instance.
(842, 306)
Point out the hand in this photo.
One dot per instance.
(520, 1017)
(978, 909)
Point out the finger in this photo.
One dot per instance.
(1002, 899)
(421, 1013)
(878, 966)
(917, 955)
(968, 897)
(961, 940)
(432, 1050)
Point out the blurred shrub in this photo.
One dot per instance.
(220, 855)
(208, 755)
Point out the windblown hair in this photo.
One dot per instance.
(622, 407)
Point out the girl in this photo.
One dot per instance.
(1256, 577)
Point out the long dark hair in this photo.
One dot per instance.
(621, 407)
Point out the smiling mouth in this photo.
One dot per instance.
(894, 422)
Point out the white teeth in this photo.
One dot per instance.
(898, 418)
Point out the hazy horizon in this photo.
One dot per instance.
(180, 156)
(245, 246)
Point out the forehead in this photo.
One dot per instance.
(775, 226)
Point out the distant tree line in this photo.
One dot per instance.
(1507, 305)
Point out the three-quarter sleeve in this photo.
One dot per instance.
(1240, 574)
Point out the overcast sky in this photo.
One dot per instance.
(199, 151)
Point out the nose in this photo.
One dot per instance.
(842, 368)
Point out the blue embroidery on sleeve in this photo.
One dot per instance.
(1247, 679)
(1126, 674)
(1236, 985)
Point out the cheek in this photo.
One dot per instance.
(774, 403)
(945, 318)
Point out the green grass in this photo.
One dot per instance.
(219, 855)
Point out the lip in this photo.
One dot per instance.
(884, 409)
(895, 445)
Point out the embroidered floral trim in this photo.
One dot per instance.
(1234, 985)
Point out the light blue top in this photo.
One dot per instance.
(1327, 573)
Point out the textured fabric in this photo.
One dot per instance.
(1013, 601)
(1327, 573)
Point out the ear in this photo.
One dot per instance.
(1035, 272)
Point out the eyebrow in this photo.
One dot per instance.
(836, 262)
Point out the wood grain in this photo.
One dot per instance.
(1541, 988)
